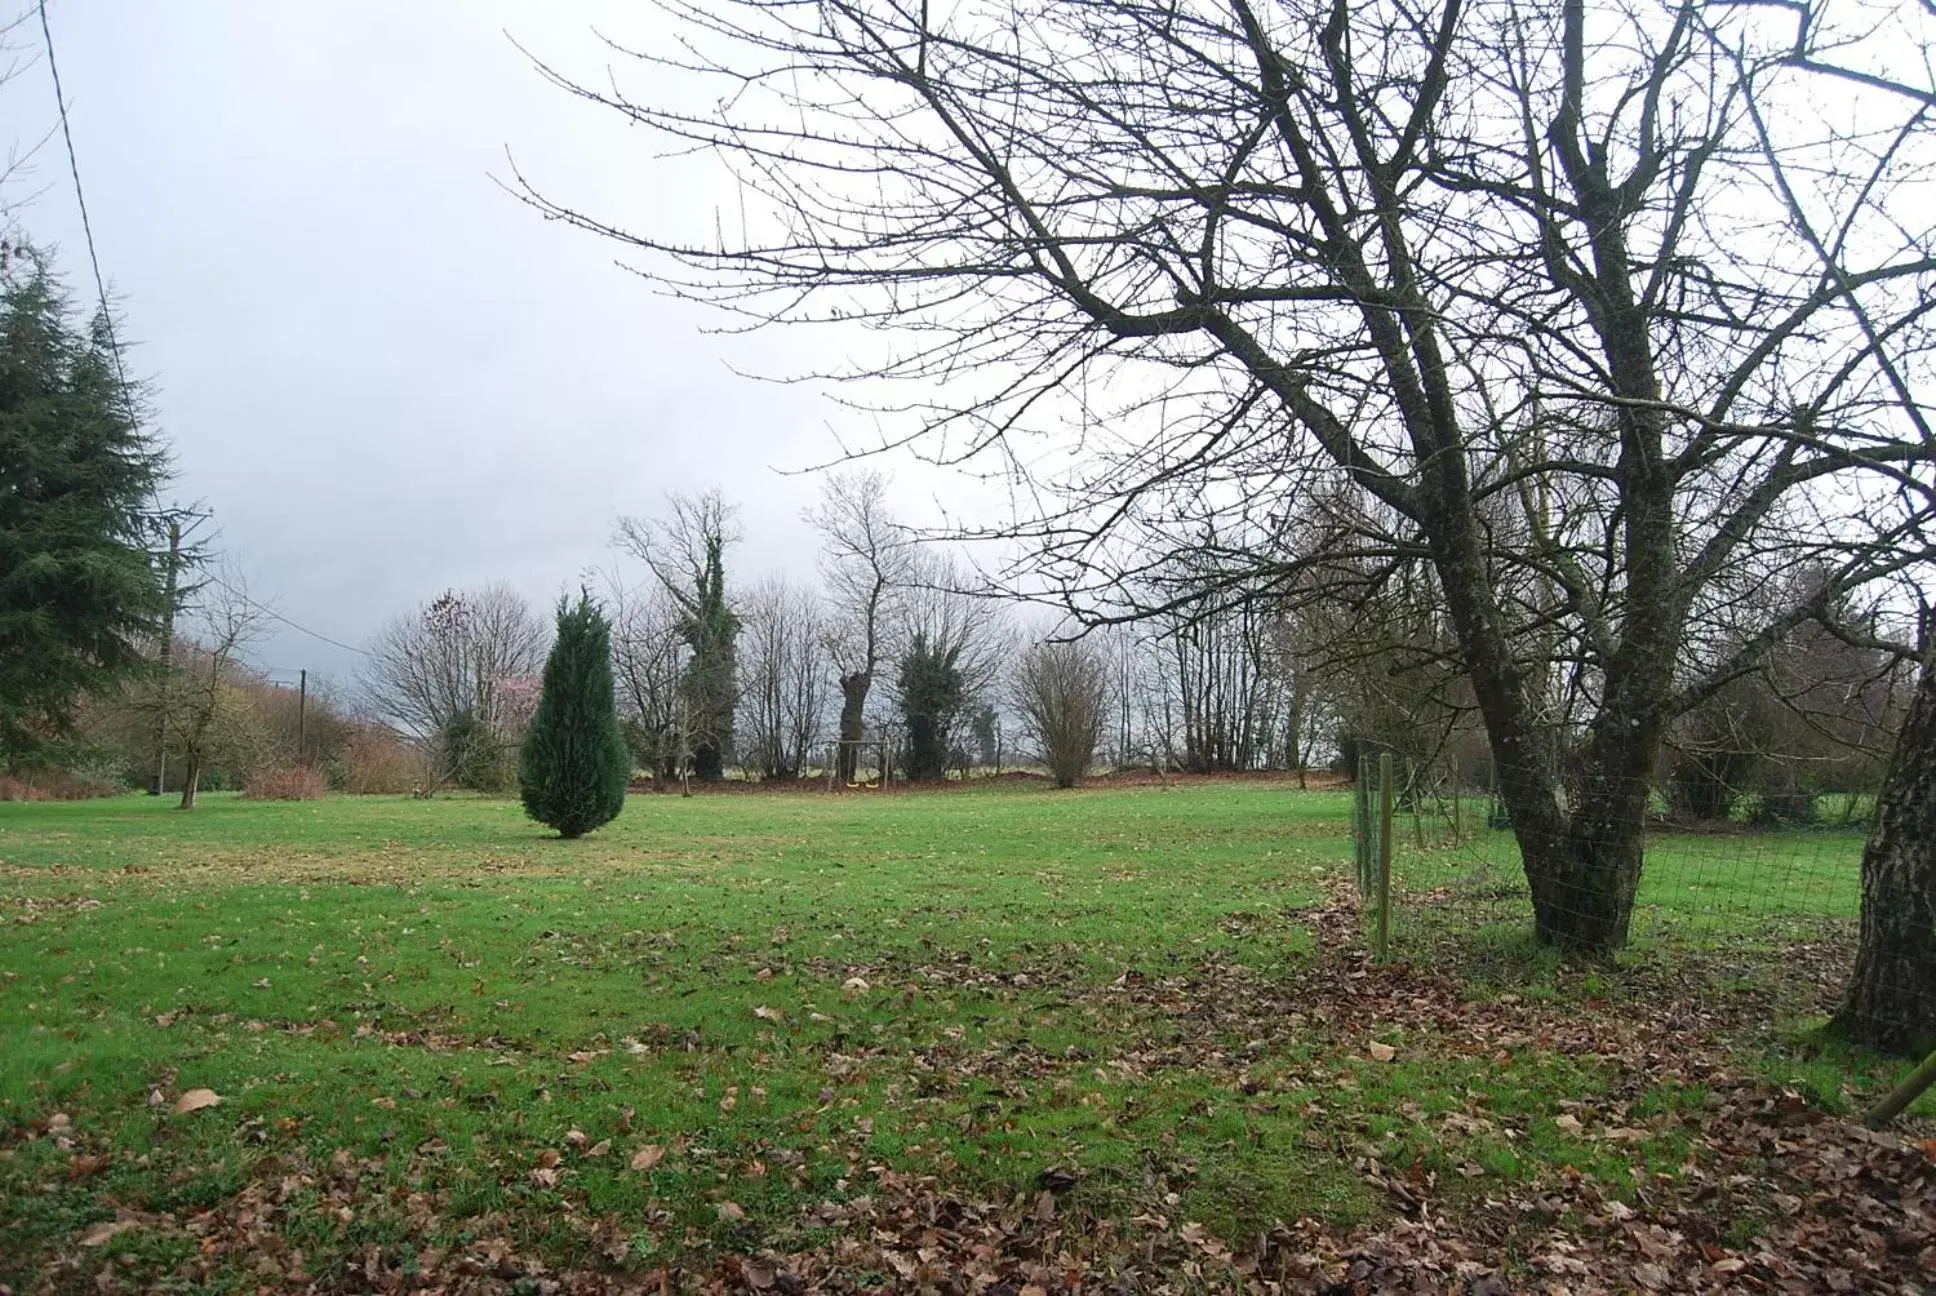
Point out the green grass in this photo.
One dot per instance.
(1720, 887)
(410, 1008)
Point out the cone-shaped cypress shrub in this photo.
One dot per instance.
(575, 764)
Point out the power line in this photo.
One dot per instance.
(80, 198)
(274, 615)
(107, 316)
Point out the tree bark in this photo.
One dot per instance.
(853, 707)
(1891, 1000)
(1584, 888)
(191, 783)
(927, 747)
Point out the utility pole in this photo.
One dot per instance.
(167, 659)
(302, 717)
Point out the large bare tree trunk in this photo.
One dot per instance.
(191, 783)
(1583, 890)
(1584, 884)
(853, 708)
(1891, 999)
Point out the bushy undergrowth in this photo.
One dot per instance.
(299, 783)
(55, 785)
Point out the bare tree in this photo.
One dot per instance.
(1062, 697)
(440, 674)
(649, 668)
(783, 681)
(207, 709)
(1591, 302)
(1817, 715)
(867, 558)
(1216, 673)
(1131, 730)
(953, 607)
(1891, 998)
(686, 550)
(1306, 714)
(946, 619)
(950, 643)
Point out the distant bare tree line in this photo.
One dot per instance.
(897, 655)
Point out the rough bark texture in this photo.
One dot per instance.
(1583, 895)
(853, 709)
(1891, 1000)
(1585, 877)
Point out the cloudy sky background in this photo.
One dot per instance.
(382, 373)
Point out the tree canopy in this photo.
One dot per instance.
(1597, 319)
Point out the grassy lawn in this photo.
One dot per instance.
(1701, 894)
(1696, 885)
(746, 1024)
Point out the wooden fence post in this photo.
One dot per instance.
(1903, 1094)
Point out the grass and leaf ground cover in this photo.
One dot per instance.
(977, 1040)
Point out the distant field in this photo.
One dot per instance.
(735, 1024)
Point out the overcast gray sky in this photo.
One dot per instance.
(382, 373)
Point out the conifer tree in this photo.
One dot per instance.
(574, 767)
(80, 589)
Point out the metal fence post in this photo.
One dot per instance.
(1415, 794)
(1384, 854)
(1361, 824)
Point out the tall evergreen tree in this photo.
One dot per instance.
(575, 765)
(80, 587)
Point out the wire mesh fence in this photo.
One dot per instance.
(1753, 917)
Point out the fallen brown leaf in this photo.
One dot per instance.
(196, 1099)
(101, 1233)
